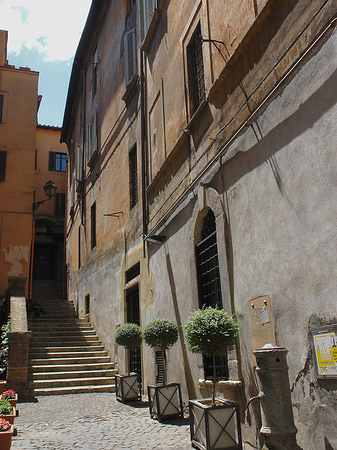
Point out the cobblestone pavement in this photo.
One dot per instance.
(94, 422)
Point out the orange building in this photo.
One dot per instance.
(30, 155)
(18, 109)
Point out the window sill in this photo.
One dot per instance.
(152, 28)
(130, 89)
(229, 389)
(196, 114)
(92, 159)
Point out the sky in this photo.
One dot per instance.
(43, 35)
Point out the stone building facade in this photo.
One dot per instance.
(202, 141)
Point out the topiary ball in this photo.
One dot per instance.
(210, 331)
(129, 336)
(161, 333)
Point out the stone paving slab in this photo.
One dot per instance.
(94, 421)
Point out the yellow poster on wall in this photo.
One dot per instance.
(326, 353)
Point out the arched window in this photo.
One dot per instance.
(209, 286)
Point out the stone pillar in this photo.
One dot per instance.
(17, 368)
(278, 426)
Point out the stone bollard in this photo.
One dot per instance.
(278, 426)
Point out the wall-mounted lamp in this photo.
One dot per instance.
(50, 191)
(155, 238)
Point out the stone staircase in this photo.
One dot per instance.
(65, 354)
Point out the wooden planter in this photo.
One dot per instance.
(6, 438)
(128, 388)
(165, 401)
(9, 417)
(215, 427)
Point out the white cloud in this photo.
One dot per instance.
(52, 27)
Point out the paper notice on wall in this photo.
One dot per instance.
(326, 353)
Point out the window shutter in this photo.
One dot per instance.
(1, 106)
(51, 160)
(130, 57)
(3, 159)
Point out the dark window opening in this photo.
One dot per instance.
(87, 304)
(133, 177)
(132, 273)
(57, 161)
(60, 205)
(35, 163)
(94, 74)
(93, 225)
(3, 160)
(195, 64)
(209, 286)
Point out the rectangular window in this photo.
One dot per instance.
(133, 177)
(146, 11)
(79, 162)
(57, 161)
(94, 73)
(93, 225)
(195, 67)
(79, 247)
(159, 367)
(92, 139)
(35, 163)
(87, 305)
(130, 55)
(3, 160)
(60, 205)
(1, 107)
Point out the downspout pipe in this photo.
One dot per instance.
(143, 146)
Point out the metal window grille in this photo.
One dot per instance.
(159, 367)
(196, 70)
(209, 285)
(93, 225)
(133, 177)
(133, 316)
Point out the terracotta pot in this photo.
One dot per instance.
(6, 438)
(13, 401)
(2, 386)
(9, 417)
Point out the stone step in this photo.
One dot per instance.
(57, 320)
(68, 382)
(39, 376)
(72, 367)
(70, 360)
(61, 326)
(45, 340)
(54, 355)
(74, 390)
(63, 333)
(81, 348)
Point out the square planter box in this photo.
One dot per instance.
(13, 401)
(215, 427)
(6, 438)
(10, 417)
(127, 388)
(165, 401)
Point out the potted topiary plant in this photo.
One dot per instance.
(164, 399)
(215, 422)
(6, 433)
(7, 411)
(128, 387)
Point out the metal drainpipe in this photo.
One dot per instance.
(83, 143)
(143, 147)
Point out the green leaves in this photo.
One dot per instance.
(129, 336)
(161, 333)
(5, 407)
(210, 331)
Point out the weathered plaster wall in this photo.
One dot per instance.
(19, 87)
